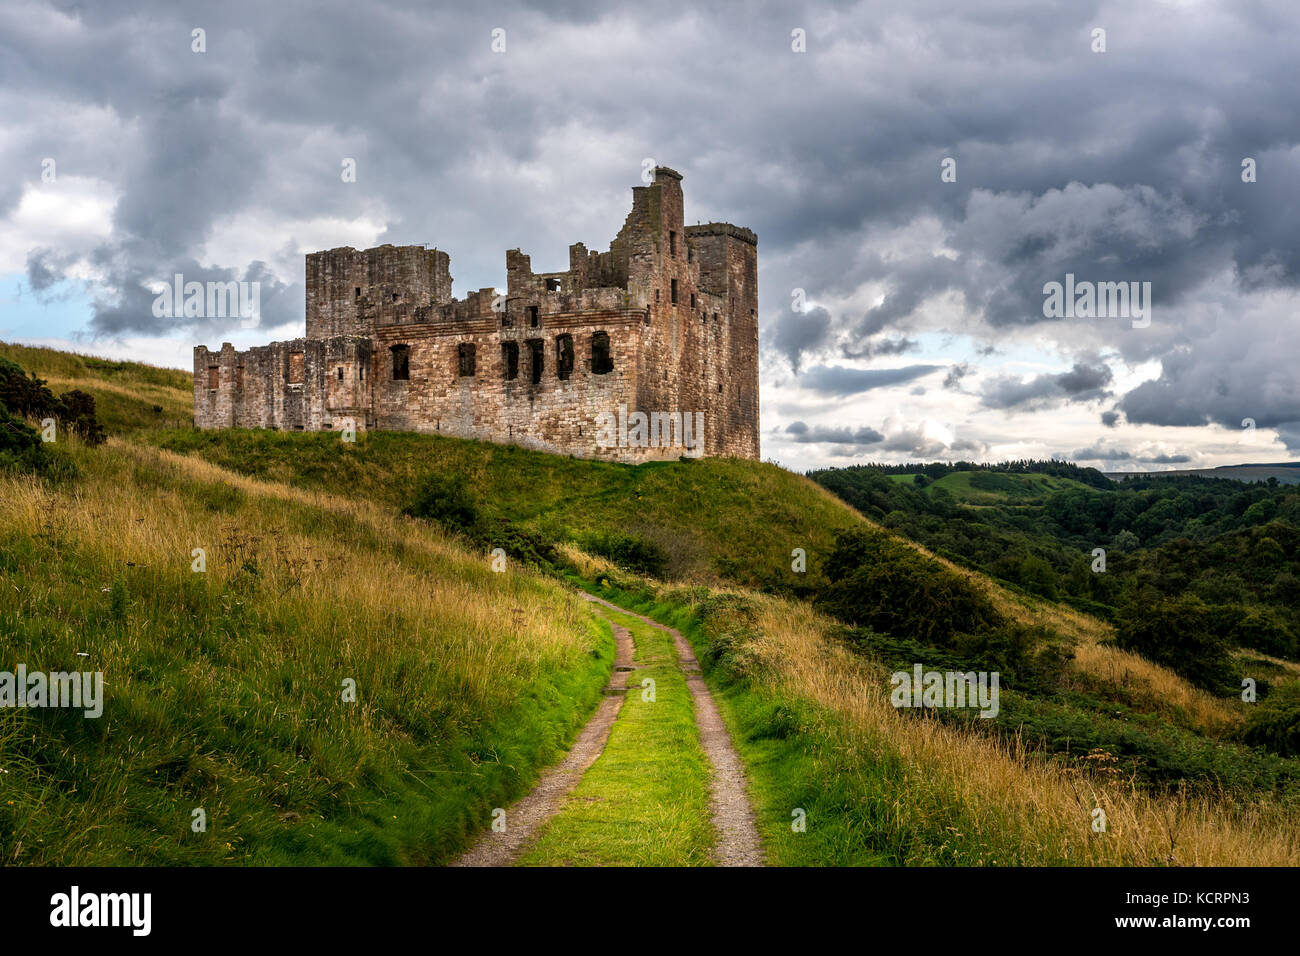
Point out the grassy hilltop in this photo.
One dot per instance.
(225, 686)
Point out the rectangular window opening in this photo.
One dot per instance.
(563, 356)
(465, 359)
(537, 358)
(510, 360)
(401, 363)
(601, 361)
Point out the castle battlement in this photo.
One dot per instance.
(665, 321)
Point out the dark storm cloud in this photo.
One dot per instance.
(838, 380)
(800, 432)
(1243, 375)
(797, 332)
(1097, 453)
(1082, 383)
(1123, 166)
(45, 268)
(897, 346)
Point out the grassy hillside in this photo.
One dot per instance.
(225, 687)
(734, 523)
(717, 518)
(128, 395)
(987, 487)
(881, 786)
(981, 488)
(1287, 472)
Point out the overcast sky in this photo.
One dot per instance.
(920, 331)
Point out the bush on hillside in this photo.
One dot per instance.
(882, 583)
(449, 501)
(1254, 626)
(628, 551)
(518, 542)
(21, 448)
(22, 451)
(446, 499)
(26, 396)
(79, 416)
(1179, 634)
(1027, 658)
(1274, 721)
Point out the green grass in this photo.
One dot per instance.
(128, 395)
(223, 688)
(791, 762)
(722, 518)
(991, 487)
(645, 801)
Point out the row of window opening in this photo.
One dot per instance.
(602, 362)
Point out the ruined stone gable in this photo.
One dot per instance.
(664, 324)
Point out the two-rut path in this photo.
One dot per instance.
(737, 841)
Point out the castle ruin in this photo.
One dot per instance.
(664, 324)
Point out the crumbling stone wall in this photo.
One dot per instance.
(666, 321)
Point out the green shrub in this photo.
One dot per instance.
(518, 542)
(25, 396)
(884, 584)
(1253, 626)
(446, 499)
(1027, 658)
(79, 416)
(1274, 722)
(628, 551)
(21, 450)
(1178, 633)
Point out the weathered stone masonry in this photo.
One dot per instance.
(666, 321)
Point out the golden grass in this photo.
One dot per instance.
(1003, 790)
(476, 620)
(1148, 684)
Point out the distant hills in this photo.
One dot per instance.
(1286, 472)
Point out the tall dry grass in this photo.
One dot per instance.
(224, 687)
(1150, 685)
(1024, 809)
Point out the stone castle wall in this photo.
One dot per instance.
(664, 322)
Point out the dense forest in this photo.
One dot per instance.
(1225, 552)
(1195, 573)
